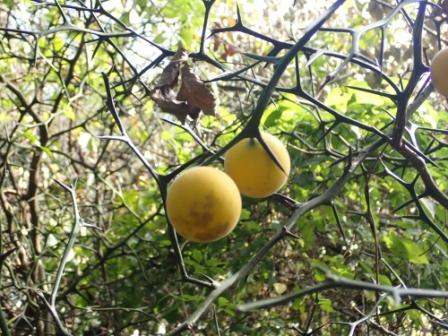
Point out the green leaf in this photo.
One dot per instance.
(326, 305)
(58, 42)
(384, 280)
(46, 150)
(245, 214)
(306, 229)
(29, 135)
(68, 112)
(403, 247)
(196, 255)
(430, 206)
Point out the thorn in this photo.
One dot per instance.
(239, 21)
(91, 226)
(268, 150)
(288, 232)
(6, 254)
(336, 123)
(112, 137)
(213, 283)
(285, 200)
(62, 185)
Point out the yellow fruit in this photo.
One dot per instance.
(439, 72)
(203, 204)
(253, 170)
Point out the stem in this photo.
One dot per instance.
(341, 282)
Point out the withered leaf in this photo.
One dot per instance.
(170, 74)
(193, 95)
(194, 92)
(166, 100)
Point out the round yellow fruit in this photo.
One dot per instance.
(253, 170)
(203, 204)
(439, 72)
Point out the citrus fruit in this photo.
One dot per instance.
(253, 170)
(203, 204)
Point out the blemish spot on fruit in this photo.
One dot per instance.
(203, 217)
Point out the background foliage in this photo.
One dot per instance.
(358, 203)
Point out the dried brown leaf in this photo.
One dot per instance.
(170, 74)
(195, 93)
(168, 103)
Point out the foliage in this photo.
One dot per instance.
(360, 224)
